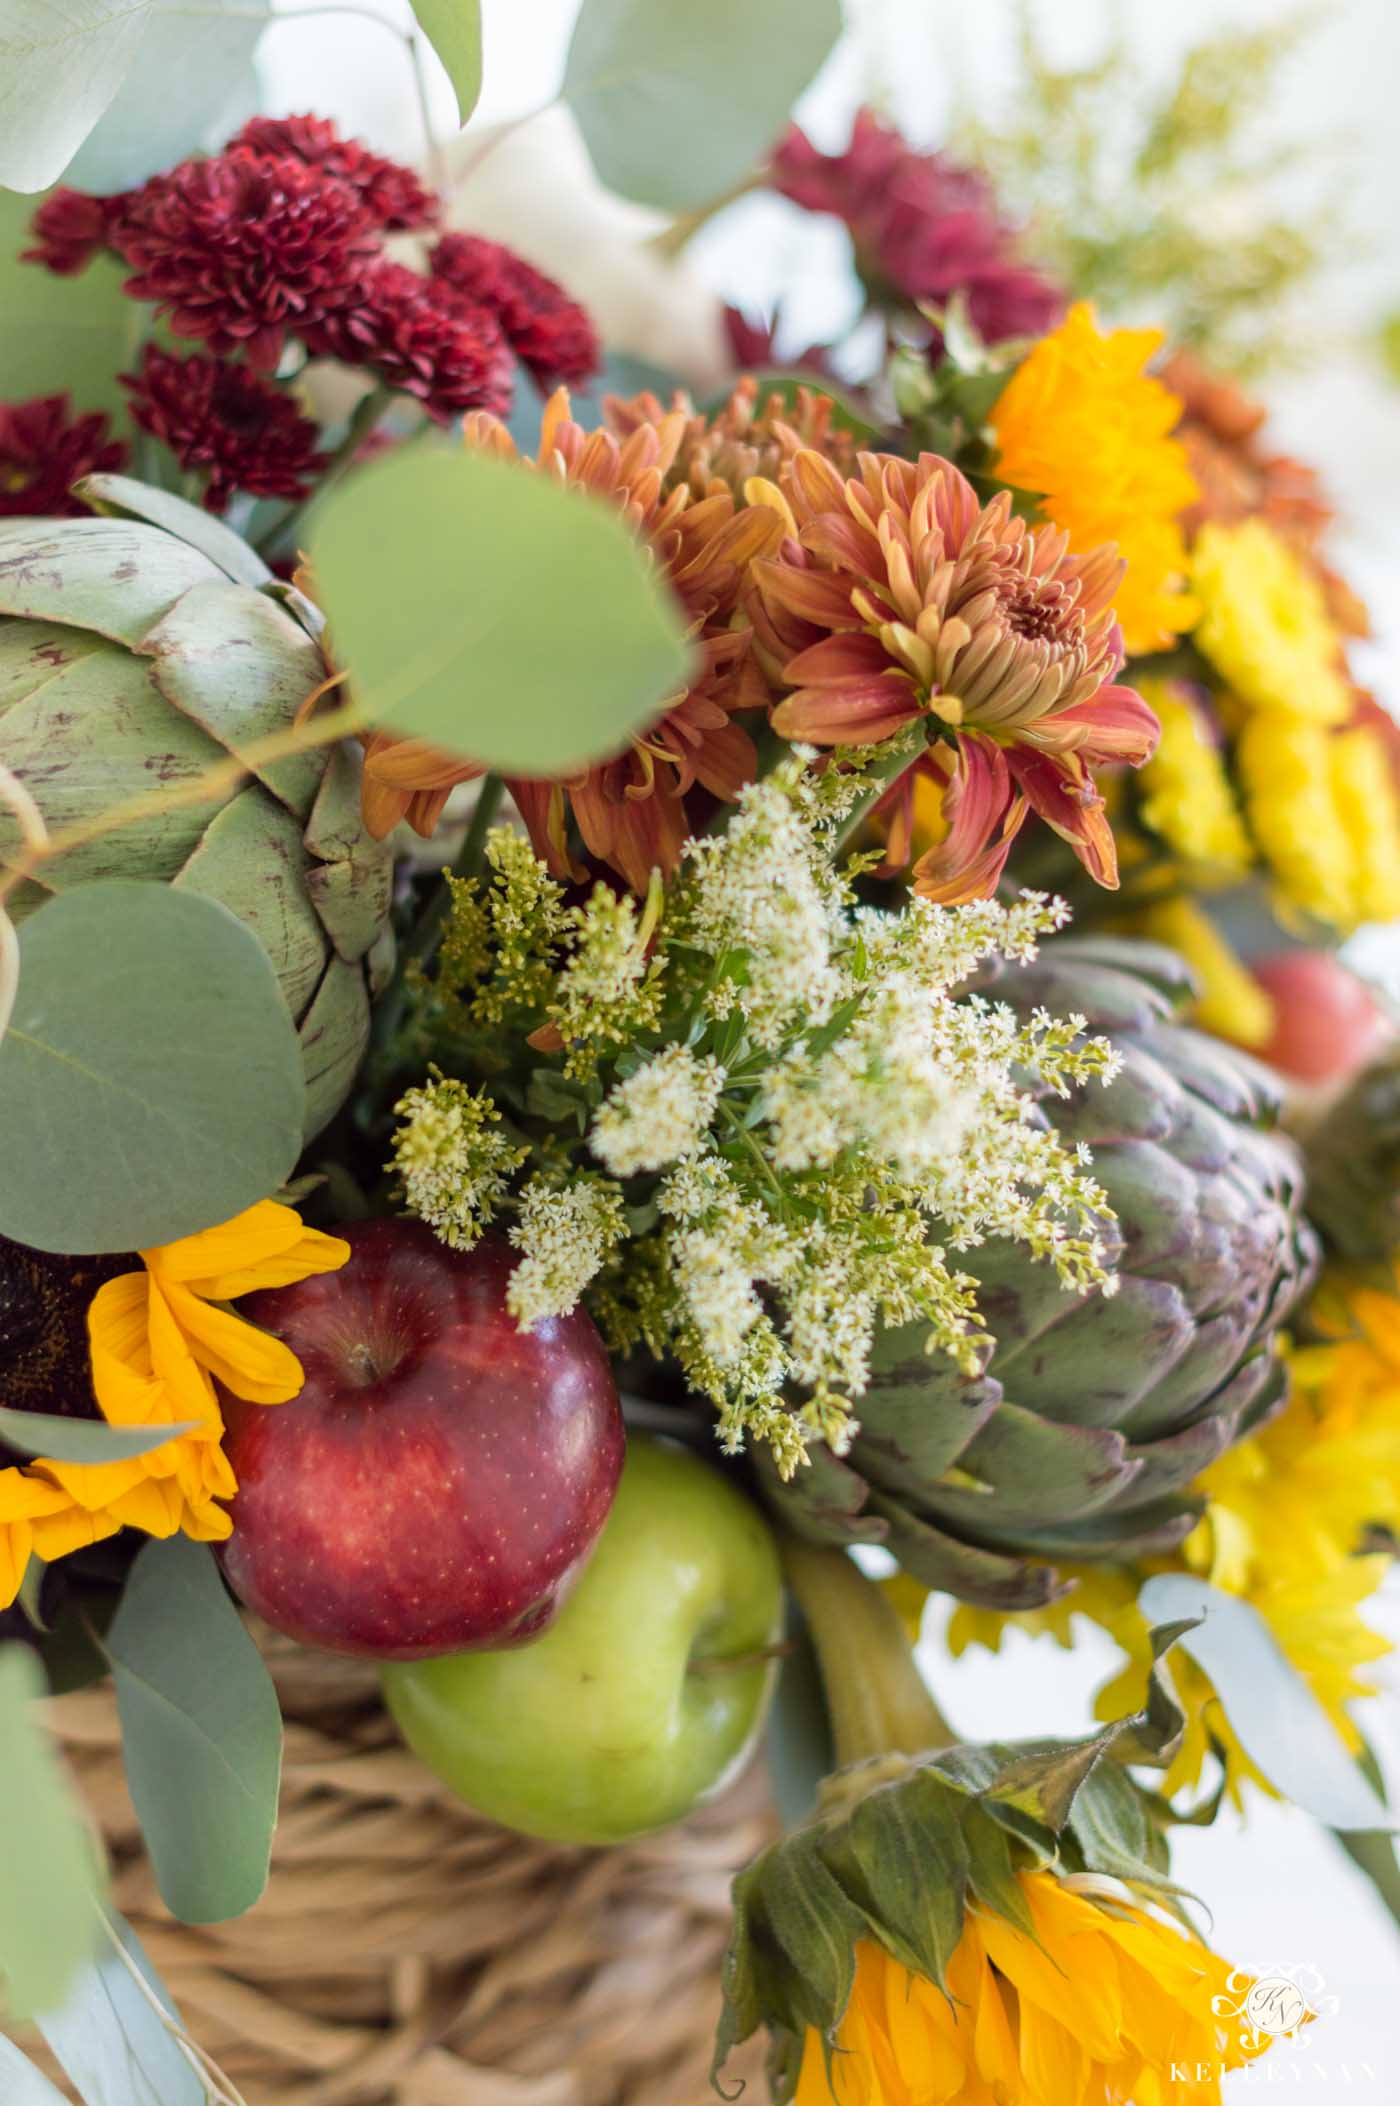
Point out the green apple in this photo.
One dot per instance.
(647, 1692)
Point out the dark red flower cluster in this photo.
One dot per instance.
(241, 252)
(219, 418)
(549, 333)
(279, 239)
(44, 450)
(924, 227)
(394, 196)
(420, 337)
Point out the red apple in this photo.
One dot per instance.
(442, 1477)
(1327, 1022)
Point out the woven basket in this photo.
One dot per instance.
(408, 1953)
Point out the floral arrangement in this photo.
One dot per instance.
(557, 1137)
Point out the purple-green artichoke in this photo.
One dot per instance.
(1092, 1416)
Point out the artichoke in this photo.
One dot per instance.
(1092, 1416)
(141, 648)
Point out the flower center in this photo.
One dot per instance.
(43, 1322)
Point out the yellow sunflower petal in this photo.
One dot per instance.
(251, 1363)
(255, 1237)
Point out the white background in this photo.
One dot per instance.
(1279, 1890)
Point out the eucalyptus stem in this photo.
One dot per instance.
(876, 1697)
(674, 238)
(363, 418)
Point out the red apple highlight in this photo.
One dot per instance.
(442, 1477)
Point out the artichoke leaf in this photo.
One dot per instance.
(334, 1033)
(251, 857)
(122, 497)
(119, 577)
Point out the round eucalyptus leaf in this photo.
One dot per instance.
(150, 1079)
(453, 28)
(495, 612)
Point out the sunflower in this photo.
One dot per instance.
(1103, 2005)
(1085, 429)
(630, 811)
(158, 1339)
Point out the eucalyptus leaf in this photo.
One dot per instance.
(184, 90)
(50, 1886)
(111, 2043)
(150, 1079)
(61, 64)
(58, 335)
(201, 1732)
(453, 28)
(493, 611)
(21, 2084)
(1275, 1716)
(801, 1750)
(82, 1440)
(677, 104)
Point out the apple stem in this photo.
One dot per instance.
(878, 1701)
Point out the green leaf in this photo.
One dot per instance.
(112, 2044)
(908, 1840)
(61, 64)
(801, 1751)
(677, 104)
(122, 497)
(493, 611)
(82, 1440)
(150, 1080)
(1277, 1719)
(201, 1732)
(20, 2083)
(59, 334)
(453, 28)
(184, 89)
(49, 1891)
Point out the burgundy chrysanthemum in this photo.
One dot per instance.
(44, 450)
(394, 196)
(70, 228)
(549, 333)
(218, 418)
(423, 338)
(242, 250)
(924, 227)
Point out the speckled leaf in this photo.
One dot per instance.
(84, 728)
(240, 667)
(122, 497)
(116, 576)
(334, 1033)
(251, 857)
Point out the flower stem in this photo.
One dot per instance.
(898, 755)
(365, 415)
(423, 938)
(877, 1698)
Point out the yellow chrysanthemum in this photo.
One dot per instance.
(1102, 2007)
(158, 1339)
(1184, 791)
(1084, 427)
(1285, 768)
(1264, 623)
(1231, 1003)
(1368, 811)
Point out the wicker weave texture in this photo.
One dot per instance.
(407, 1953)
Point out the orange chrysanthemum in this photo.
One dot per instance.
(895, 596)
(1088, 431)
(630, 811)
(753, 434)
(157, 1339)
